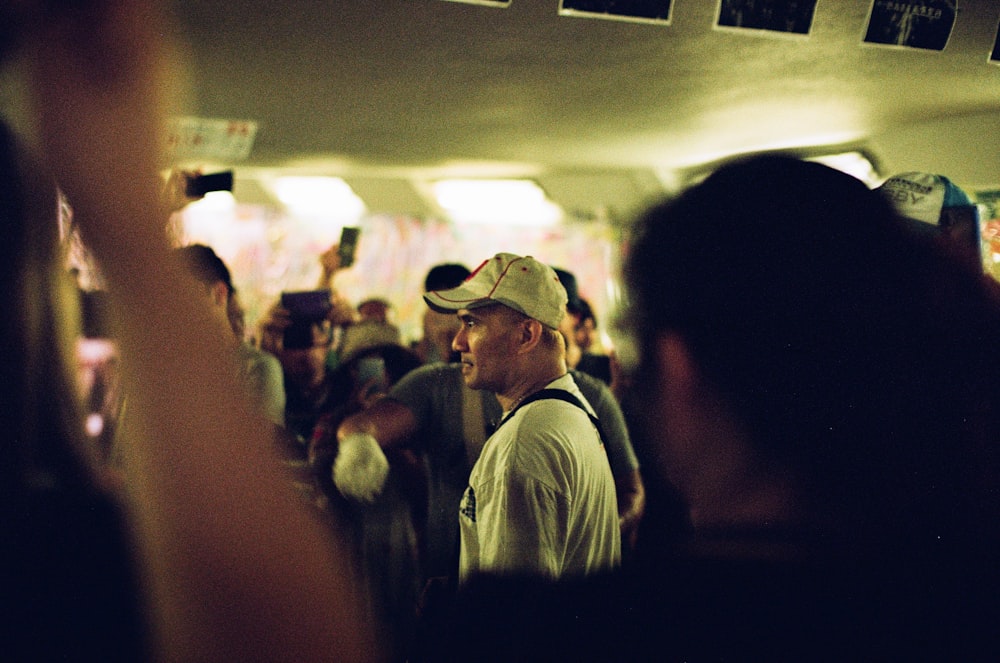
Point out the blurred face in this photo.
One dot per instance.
(374, 310)
(306, 367)
(585, 333)
(487, 342)
(567, 327)
(439, 330)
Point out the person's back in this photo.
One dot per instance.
(818, 395)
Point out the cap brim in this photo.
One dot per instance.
(455, 299)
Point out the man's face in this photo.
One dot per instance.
(585, 334)
(568, 327)
(487, 341)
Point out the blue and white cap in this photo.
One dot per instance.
(924, 196)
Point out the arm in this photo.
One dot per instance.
(388, 421)
(621, 455)
(361, 468)
(218, 525)
(631, 505)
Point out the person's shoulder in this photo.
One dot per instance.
(423, 382)
(595, 366)
(594, 389)
(435, 371)
(552, 418)
(254, 358)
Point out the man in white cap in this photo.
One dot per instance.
(541, 498)
(940, 207)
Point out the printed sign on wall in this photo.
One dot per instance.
(995, 55)
(922, 24)
(791, 16)
(202, 138)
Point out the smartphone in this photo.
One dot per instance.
(307, 305)
(348, 245)
(307, 308)
(198, 185)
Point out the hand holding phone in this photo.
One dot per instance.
(348, 245)
(306, 309)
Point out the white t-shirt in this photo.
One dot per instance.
(541, 498)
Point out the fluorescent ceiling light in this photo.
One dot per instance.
(852, 163)
(214, 201)
(507, 202)
(326, 196)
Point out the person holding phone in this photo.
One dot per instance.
(302, 331)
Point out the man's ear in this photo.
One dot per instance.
(530, 331)
(677, 369)
(220, 294)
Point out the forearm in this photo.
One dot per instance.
(219, 528)
(388, 421)
(631, 503)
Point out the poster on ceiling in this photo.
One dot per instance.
(488, 3)
(923, 24)
(995, 54)
(782, 16)
(657, 11)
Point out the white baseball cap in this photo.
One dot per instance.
(923, 196)
(518, 282)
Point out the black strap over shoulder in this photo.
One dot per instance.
(559, 395)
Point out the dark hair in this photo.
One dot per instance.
(445, 276)
(853, 350)
(568, 280)
(205, 265)
(78, 598)
(41, 418)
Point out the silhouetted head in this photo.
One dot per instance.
(849, 349)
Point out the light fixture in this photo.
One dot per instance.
(321, 196)
(214, 201)
(507, 201)
(855, 164)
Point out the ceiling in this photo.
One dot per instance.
(603, 113)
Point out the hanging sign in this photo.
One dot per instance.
(192, 138)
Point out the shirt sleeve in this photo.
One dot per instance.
(267, 387)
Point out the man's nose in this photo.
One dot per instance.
(458, 343)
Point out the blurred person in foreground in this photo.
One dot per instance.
(817, 385)
(228, 562)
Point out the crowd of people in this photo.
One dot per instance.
(795, 458)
